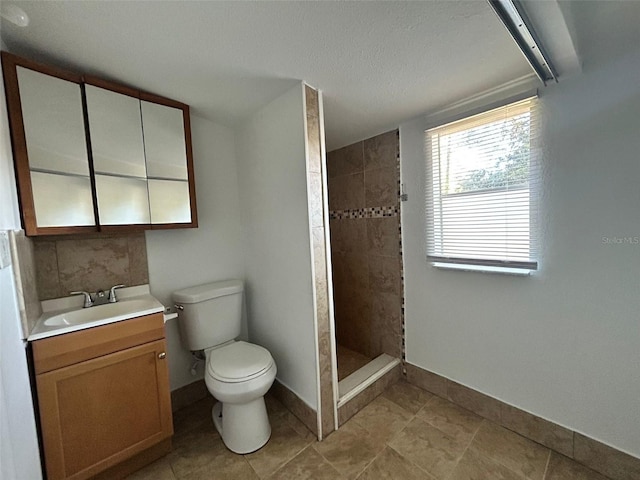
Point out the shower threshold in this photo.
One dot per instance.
(355, 383)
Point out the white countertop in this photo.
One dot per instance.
(65, 315)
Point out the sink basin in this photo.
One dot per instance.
(100, 312)
(64, 318)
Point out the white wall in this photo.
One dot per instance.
(272, 179)
(213, 251)
(565, 343)
(19, 454)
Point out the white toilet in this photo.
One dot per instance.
(237, 373)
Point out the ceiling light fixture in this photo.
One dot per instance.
(514, 18)
(14, 14)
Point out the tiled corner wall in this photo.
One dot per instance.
(24, 271)
(602, 458)
(364, 204)
(316, 193)
(89, 262)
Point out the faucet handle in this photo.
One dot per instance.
(88, 301)
(112, 293)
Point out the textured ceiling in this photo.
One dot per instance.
(378, 63)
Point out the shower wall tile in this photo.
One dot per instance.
(351, 270)
(348, 236)
(324, 331)
(316, 211)
(347, 192)
(320, 268)
(353, 322)
(312, 102)
(381, 187)
(381, 151)
(93, 262)
(47, 277)
(346, 160)
(382, 236)
(313, 143)
(386, 325)
(384, 275)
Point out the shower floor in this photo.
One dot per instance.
(349, 361)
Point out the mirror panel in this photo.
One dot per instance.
(116, 132)
(122, 200)
(62, 200)
(53, 123)
(164, 141)
(169, 201)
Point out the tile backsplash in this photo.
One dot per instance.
(90, 263)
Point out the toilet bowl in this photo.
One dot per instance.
(238, 375)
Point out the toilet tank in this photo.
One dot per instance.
(209, 315)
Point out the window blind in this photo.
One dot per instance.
(482, 182)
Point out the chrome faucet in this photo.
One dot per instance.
(98, 298)
(88, 301)
(112, 293)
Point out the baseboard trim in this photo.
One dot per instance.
(188, 394)
(593, 454)
(307, 415)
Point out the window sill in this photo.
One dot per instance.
(519, 272)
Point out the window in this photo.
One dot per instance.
(481, 190)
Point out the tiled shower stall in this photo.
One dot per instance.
(366, 251)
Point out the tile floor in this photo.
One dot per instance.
(405, 434)
(349, 361)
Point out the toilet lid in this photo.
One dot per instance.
(238, 361)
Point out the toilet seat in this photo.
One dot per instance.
(238, 362)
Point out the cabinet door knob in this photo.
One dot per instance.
(161, 355)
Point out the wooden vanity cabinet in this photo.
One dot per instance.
(104, 399)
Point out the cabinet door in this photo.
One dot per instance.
(100, 412)
(118, 156)
(49, 145)
(167, 144)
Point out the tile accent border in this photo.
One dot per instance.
(369, 212)
(595, 455)
(297, 406)
(357, 403)
(188, 394)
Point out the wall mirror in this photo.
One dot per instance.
(167, 171)
(58, 163)
(117, 148)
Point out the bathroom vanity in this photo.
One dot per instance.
(103, 389)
